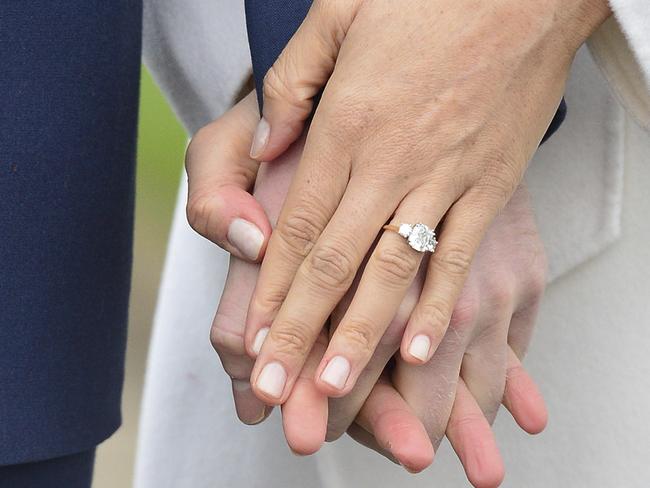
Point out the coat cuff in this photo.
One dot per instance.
(621, 48)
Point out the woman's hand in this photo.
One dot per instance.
(430, 114)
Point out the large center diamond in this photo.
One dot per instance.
(421, 238)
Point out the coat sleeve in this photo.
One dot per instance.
(621, 48)
(197, 53)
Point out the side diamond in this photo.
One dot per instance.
(405, 230)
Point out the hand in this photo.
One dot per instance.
(430, 113)
(496, 309)
(385, 419)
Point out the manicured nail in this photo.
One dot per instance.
(272, 379)
(336, 372)
(420, 346)
(261, 138)
(259, 339)
(246, 237)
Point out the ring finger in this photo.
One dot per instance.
(386, 279)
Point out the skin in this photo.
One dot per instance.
(402, 412)
(431, 117)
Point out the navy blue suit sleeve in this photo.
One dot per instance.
(68, 116)
(271, 23)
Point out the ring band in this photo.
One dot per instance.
(419, 236)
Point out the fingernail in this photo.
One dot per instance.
(260, 418)
(420, 346)
(246, 237)
(259, 339)
(250, 413)
(272, 379)
(336, 372)
(261, 138)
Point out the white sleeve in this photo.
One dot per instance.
(621, 48)
(197, 52)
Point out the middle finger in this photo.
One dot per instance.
(320, 282)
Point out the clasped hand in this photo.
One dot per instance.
(399, 409)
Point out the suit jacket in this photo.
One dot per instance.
(69, 89)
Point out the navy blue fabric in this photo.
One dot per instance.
(69, 80)
(271, 23)
(74, 471)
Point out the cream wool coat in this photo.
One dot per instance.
(590, 190)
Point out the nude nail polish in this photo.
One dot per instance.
(259, 339)
(246, 237)
(336, 372)
(272, 379)
(261, 138)
(419, 347)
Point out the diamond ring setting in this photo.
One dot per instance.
(419, 236)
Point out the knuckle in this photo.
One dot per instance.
(467, 421)
(330, 266)
(278, 85)
(290, 339)
(360, 335)
(269, 300)
(538, 276)
(230, 349)
(201, 211)
(501, 177)
(396, 267)
(465, 314)
(434, 315)
(224, 341)
(299, 231)
(455, 259)
(500, 291)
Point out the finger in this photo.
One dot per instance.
(522, 326)
(461, 234)
(301, 70)
(319, 284)
(395, 427)
(220, 175)
(304, 414)
(386, 279)
(473, 441)
(430, 388)
(227, 337)
(484, 364)
(315, 192)
(522, 397)
(343, 410)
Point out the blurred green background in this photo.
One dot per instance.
(161, 147)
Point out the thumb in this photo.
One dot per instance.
(301, 70)
(220, 175)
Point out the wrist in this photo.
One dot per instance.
(578, 19)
